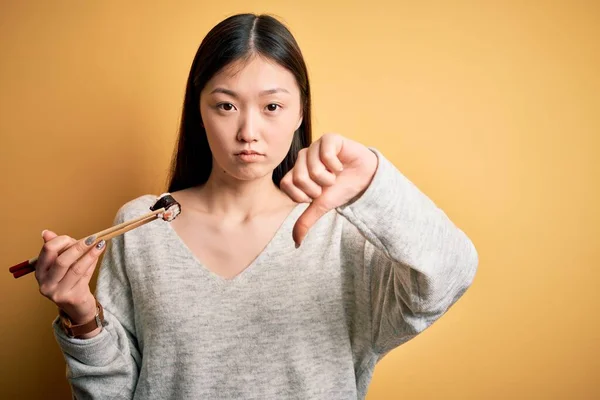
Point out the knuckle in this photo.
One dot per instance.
(285, 184)
(89, 272)
(286, 177)
(321, 208)
(61, 264)
(47, 247)
(302, 226)
(330, 135)
(80, 246)
(317, 173)
(299, 196)
(79, 269)
(300, 178)
(63, 239)
(329, 156)
(56, 298)
(45, 290)
(53, 295)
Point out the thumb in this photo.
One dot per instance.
(309, 217)
(48, 235)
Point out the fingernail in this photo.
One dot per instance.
(44, 231)
(297, 245)
(90, 240)
(100, 244)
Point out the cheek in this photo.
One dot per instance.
(217, 143)
(216, 131)
(279, 141)
(281, 131)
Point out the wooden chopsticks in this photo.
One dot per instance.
(28, 266)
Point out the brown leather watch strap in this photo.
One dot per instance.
(81, 329)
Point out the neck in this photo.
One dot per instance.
(240, 200)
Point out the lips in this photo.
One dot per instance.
(249, 152)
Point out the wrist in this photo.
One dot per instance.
(371, 162)
(80, 312)
(78, 318)
(83, 328)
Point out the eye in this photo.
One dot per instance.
(226, 106)
(273, 107)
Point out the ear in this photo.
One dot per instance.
(299, 123)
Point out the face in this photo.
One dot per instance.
(250, 111)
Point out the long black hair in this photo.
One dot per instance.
(235, 38)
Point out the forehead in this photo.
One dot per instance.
(253, 75)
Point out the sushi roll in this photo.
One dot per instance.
(171, 206)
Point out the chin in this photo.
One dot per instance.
(249, 172)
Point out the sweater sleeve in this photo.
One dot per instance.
(417, 261)
(107, 365)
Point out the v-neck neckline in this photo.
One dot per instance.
(249, 269)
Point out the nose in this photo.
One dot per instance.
(248, 128)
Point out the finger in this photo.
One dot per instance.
(40, 272)
(331, 146)
(67, 258)
(316, 169)
(287, 186)
(82, 270)
(301, 178)
(308, 218)
(87, 276)
(50, 251)
(48, 235)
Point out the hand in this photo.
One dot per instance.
(63, 271)
(328, 174)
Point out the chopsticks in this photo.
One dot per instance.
(28, 266)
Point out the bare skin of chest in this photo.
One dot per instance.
(227, 248)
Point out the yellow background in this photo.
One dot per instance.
(490, 107)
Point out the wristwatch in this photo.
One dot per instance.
(75, 331)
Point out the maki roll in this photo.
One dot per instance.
(171, 206)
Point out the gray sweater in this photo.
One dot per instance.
(307, 323)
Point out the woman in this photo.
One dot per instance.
(293, 268)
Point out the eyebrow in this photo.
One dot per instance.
(262, 93)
